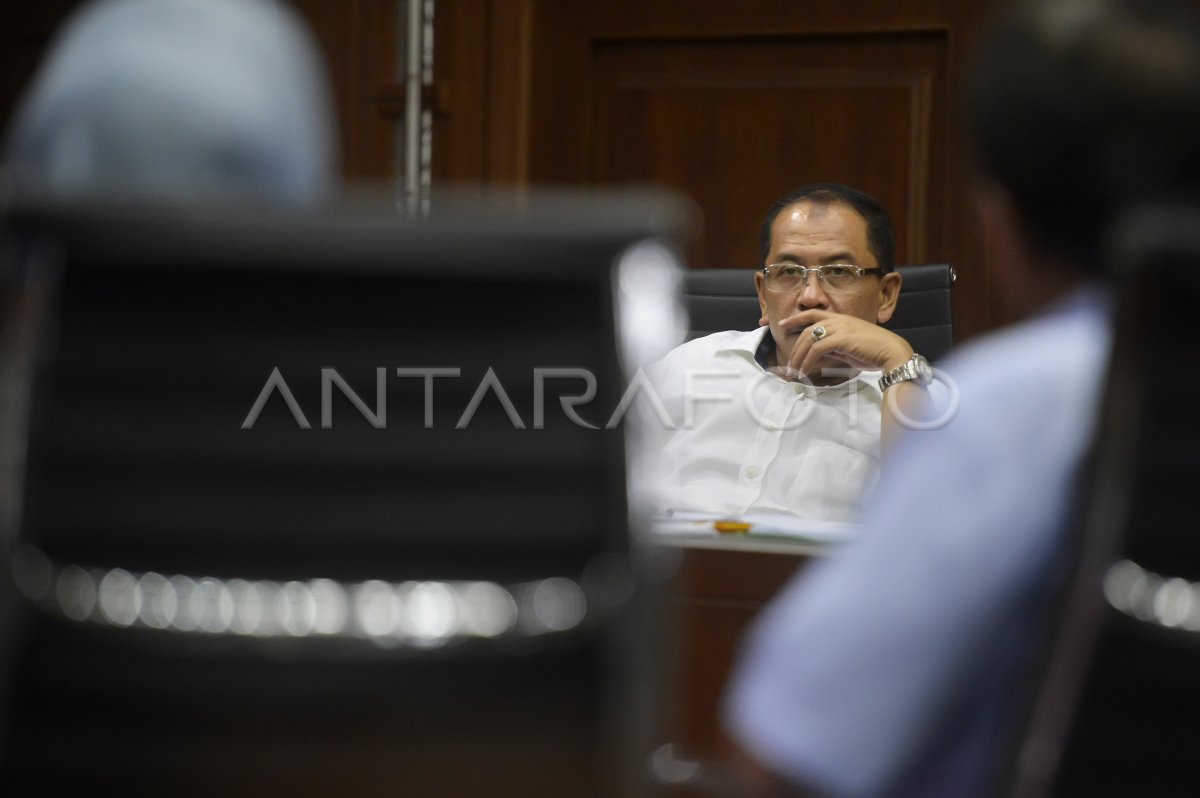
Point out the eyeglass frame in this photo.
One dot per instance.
(858, 272)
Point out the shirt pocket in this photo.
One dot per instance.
(832, 481)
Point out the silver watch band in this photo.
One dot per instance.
(915, 368)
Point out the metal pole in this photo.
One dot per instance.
(412, 109)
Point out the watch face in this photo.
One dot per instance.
(924, 372)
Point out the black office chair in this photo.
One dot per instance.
(724, 299)
(256, 561)
(1113, 705)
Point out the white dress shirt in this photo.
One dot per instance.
(747, 441)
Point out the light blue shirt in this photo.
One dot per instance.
(883, 670)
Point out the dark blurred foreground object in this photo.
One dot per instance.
(1115, 703)
(257, 560)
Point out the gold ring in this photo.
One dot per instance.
(819, 332)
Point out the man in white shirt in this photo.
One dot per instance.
(788, 419)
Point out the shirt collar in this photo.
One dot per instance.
(765, 348)
(755, 344)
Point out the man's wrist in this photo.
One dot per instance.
(897, 360)
(915, 369)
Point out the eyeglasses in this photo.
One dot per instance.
(835, 277)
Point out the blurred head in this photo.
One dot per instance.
(1080, 107)
(184, 99)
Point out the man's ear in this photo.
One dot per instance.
(763, 321)
(889, 294)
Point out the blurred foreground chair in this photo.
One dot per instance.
(724, 299)
(1113, 706)
(303, 514)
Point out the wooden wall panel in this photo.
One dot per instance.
(460, 61)
(738, 103)
(479, 97)
(358, 40)
(734, 103)
(737, 123)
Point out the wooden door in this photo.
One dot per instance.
(733, 104)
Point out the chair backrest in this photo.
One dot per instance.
(1115, 695)
(294, 520)
(724, 299)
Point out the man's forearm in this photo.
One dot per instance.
(903, 403)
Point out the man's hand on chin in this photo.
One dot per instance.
(826, 340)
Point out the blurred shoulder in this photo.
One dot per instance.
(1064, 348)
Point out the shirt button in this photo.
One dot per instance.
(752, 472)
(772, 427)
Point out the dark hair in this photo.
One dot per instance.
(1077, 109)
(880, 239)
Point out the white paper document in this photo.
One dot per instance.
(754, 525)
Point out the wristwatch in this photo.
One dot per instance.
(915, 368)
